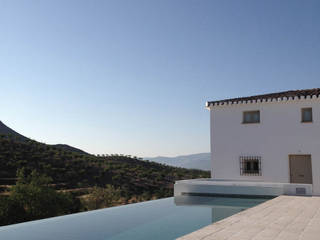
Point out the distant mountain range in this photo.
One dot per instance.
(5, 130)
(194, 161)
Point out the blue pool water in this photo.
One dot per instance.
(162, 219)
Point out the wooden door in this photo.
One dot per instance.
(300, 169)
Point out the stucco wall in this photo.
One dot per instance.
(279, 133)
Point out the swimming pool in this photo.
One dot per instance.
(162, 219)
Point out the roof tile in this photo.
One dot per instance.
(278, 95)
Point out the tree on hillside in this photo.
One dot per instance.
(103, 197)
(11, 212)
(32, 198)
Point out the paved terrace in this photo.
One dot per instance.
(284, 217)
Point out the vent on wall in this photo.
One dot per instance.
(300, 191)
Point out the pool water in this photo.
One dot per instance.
(162, 219)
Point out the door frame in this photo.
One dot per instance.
(290, 166)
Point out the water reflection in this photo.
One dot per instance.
(163, 219)
(220, 207)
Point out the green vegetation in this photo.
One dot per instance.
(102, 197)
(32, 198)
(72, 181)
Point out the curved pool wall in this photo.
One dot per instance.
(239, 188)
(162, 219)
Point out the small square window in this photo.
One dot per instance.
(250, 166)
(251, 117)
(306, 115)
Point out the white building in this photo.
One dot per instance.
(269, 141)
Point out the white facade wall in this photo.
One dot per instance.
(279, 133)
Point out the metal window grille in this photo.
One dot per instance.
(250, 165)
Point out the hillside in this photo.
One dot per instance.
(70, 169)
(91, 180)
(69, 148)
(5, 130)
(194, 161)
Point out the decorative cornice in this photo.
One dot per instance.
(272, 97)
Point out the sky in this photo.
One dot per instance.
(132, 77)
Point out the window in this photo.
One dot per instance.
(306, 115)
(250, 165)
(251, 117)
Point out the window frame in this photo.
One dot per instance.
(250, 112)
(302, 115)
(243, 160)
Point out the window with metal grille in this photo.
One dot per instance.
(250, 165)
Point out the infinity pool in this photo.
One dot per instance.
(162, 219)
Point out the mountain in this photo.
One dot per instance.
(194, 161)
(89, 181)
(72, 169)
(69, 148)
(5, 130)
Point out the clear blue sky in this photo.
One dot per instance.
(133, 77)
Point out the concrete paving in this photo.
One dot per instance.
(284, 217)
